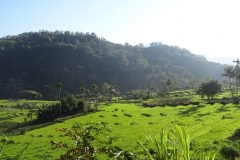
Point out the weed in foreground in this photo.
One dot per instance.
(173, 145)
(5, 141)
(85, 137)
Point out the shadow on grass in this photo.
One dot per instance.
(203, 114)
(223, 108)
(190, 110)
(236, 106)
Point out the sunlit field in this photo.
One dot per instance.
(208, 126)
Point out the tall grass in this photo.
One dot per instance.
(4, 143)
(173, 145)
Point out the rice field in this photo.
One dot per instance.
(130, 123)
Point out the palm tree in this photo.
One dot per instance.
(94, 87)
(229, 72)
(111, 91)
(237, 70)
(95, 90)
(237, 61)
(59, 86)
(83, 91)
(168, 84)
(237, 78)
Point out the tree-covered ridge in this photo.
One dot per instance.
(39, 60)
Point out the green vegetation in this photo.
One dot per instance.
(209, 89)
(163, 115)
(37, 61)
(206, 124)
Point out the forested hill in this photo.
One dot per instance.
(39, 60)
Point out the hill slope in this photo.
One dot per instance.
(39, 60)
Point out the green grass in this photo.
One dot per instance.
(205, 124)
(11, 102)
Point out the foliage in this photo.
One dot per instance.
(88, 143)
(69, 106)
(229, 72)
(209, 89)
(29, 94)
(37, 61)
(167, 147)
(173, 145)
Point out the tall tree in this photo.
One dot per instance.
(209, 89)
(59, 86)
(95, 94)
(229, 72)
(83, 91)
(95, 91)
(237, 71)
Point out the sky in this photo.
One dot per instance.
(204, 27)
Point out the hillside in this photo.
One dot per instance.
(39, 60)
